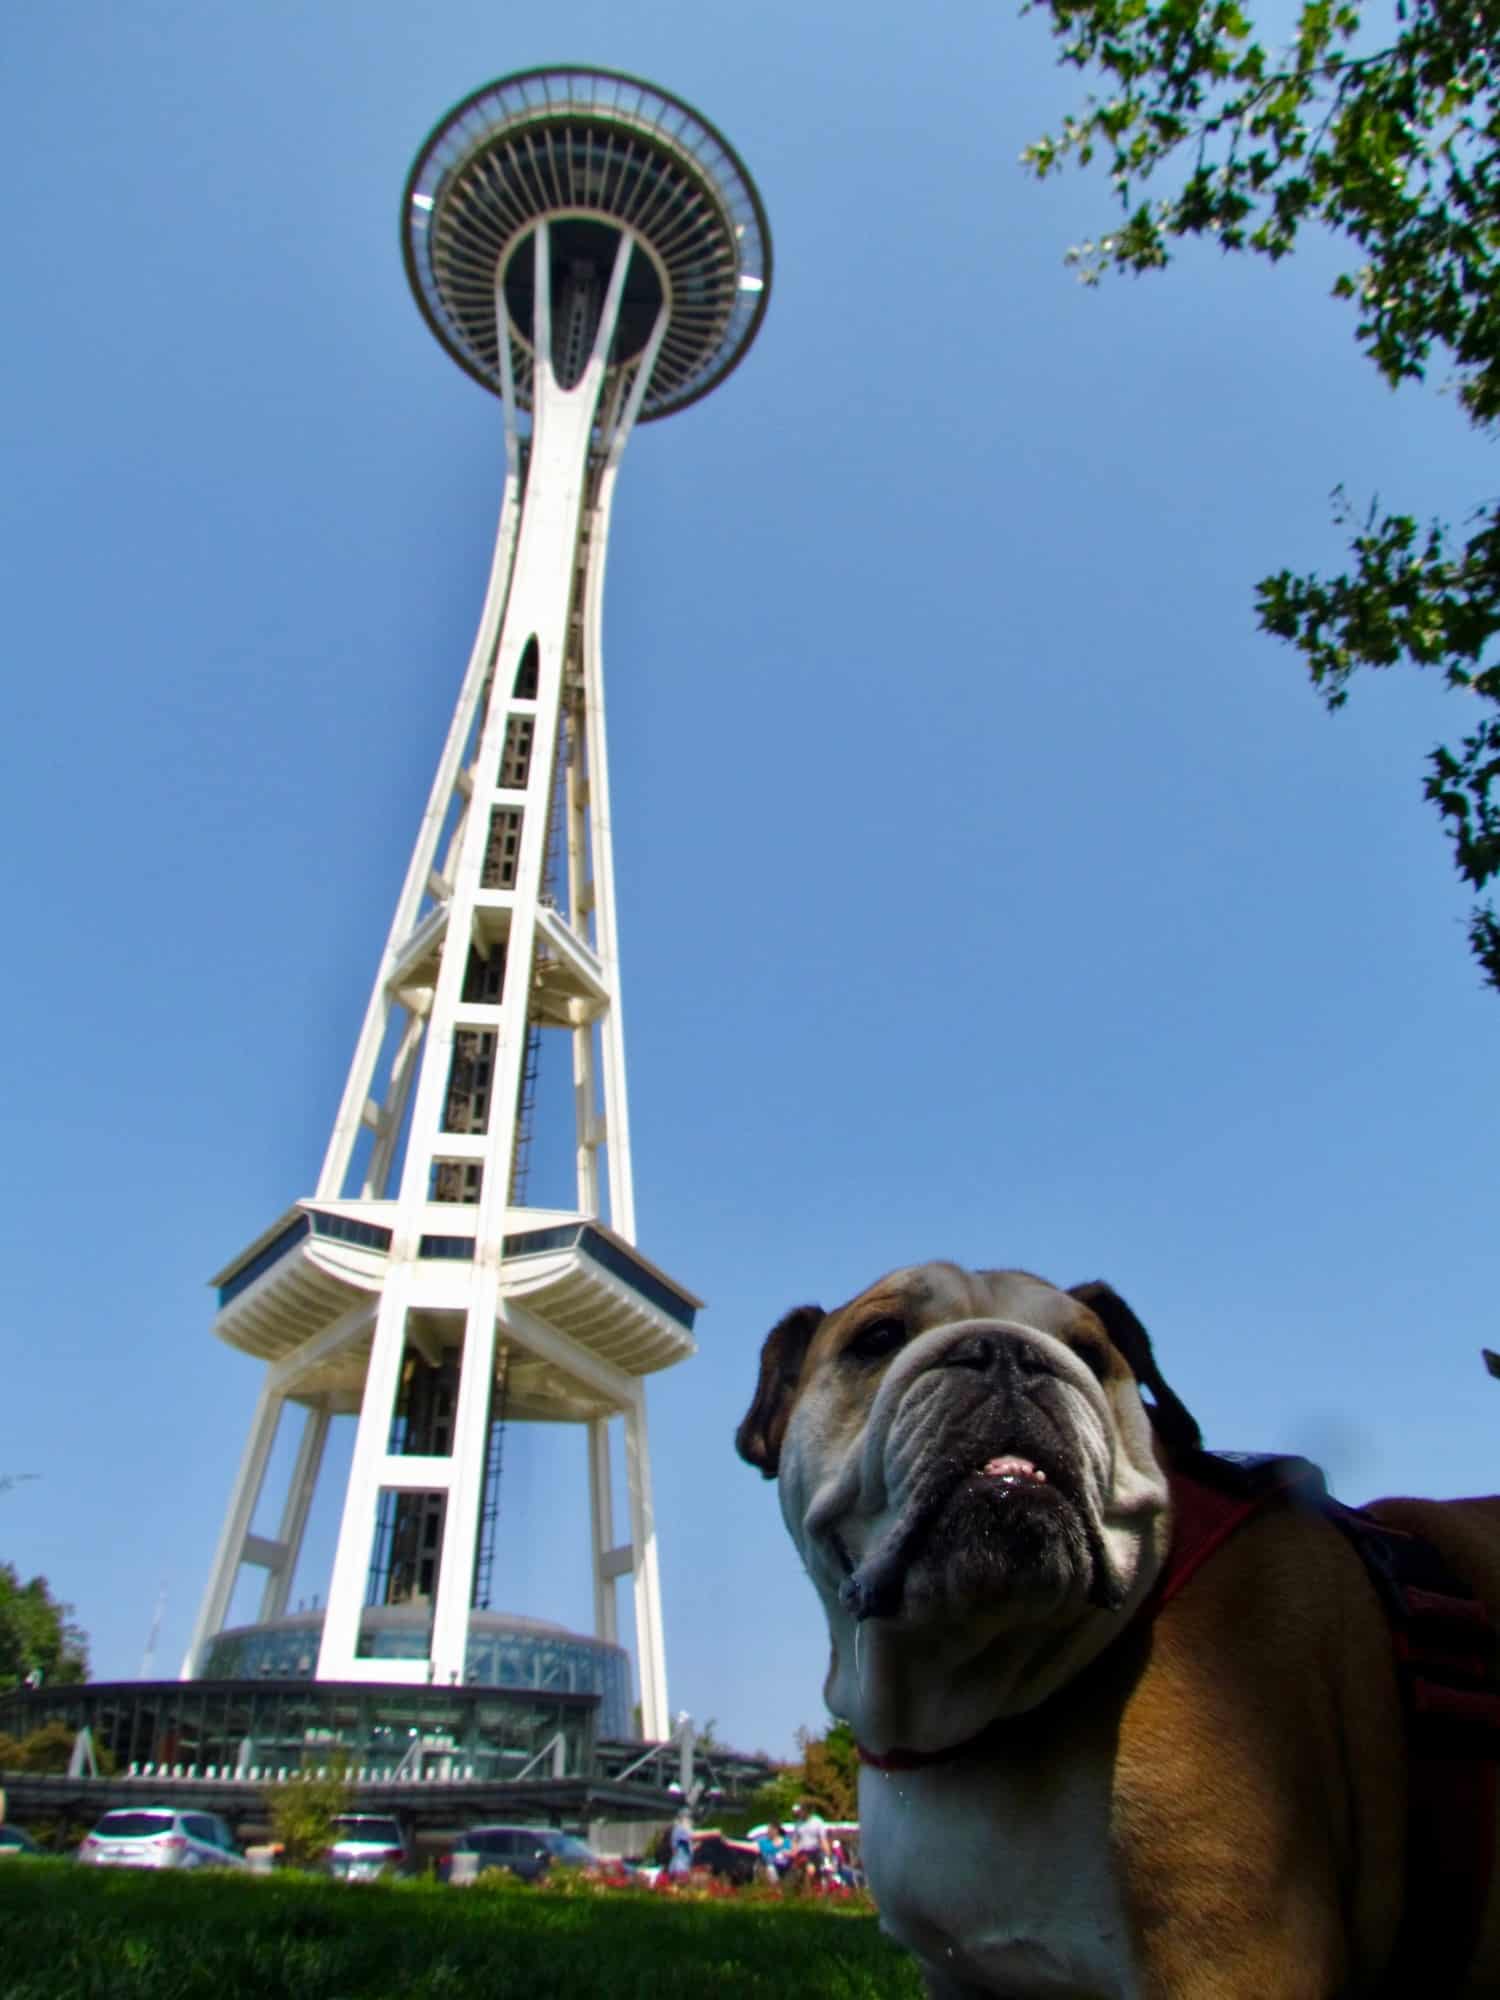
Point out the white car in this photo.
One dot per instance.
(367, 1846)
(160, 1837)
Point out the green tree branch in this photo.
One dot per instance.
(37, 1633)
(1397, 150)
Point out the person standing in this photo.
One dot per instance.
(680, 1858)
(775, 1851)
(809, 1840)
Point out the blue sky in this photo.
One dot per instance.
(990, 888)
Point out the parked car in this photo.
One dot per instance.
(526, 1851)
(366, 1846)
(14, 1842)
(160, 1837)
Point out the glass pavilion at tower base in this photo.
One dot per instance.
(261, 1730)
(518, 1655)
(439, 1757)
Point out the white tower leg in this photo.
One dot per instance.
(602, 1532)
(650, 1642)
(338, 1654)
(455, 1591)
(294, 1514)
(235, 1534)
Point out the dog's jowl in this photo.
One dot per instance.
(1134, 1720)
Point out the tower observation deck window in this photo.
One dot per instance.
(515, 758)
(407, 1552)
(502, 851)
(470, 1077)
(484, 976)
(426, 1397)
(457, 1180)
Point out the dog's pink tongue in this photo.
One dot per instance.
(1010, 1467)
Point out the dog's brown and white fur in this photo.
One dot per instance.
(1207, 1804)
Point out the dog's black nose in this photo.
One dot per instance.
(972, 1350)
(994, 1350)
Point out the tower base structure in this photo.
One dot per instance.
(582, 1316)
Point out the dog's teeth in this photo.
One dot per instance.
(1010, 1470)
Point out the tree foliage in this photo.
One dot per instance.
(50, 1749)
(302, 1812)
(37, 1633)
(830, 1772)
(1392, 143)
(825, 1779)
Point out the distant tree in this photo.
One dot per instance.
(825, 1778)
(830, 1772)
(37, 1634)
(1391, 142)
(303, 1810)
(49, 1748)
(772, 1800)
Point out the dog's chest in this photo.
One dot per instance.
(998, 1882)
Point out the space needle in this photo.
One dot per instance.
(591, 251)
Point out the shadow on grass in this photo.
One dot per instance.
(71, 1933)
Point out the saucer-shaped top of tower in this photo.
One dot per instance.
(594, 153)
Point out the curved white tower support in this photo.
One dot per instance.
(595, 254)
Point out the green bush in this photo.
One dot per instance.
(49, 1748)
(302, 1812)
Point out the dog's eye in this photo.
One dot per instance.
(1094, 1356)
(878, 1338)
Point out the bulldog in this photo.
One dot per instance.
(1072, 1784)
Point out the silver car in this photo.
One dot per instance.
(367, 1846)
(160, 1837)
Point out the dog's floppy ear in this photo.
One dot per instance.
(758, 1439)
(1174, 1423)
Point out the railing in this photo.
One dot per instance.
(356, 1774)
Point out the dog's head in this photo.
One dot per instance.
(975, 1483)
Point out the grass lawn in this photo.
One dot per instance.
(71, 1933)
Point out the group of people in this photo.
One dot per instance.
(804, 1853)
(806, 1849)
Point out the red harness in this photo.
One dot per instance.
(1446, 1670)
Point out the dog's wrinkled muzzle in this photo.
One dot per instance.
(960, 1406)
